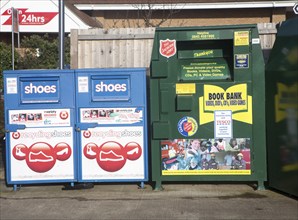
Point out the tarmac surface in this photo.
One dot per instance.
(191, 201)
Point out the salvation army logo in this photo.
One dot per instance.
(167, 48)
(41, 157)
(111, 156)
(187, 126)
(64, 115)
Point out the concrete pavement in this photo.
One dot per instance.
(126, 201)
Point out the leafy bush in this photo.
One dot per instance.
(41, 52)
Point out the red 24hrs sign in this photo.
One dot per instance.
(29, 18)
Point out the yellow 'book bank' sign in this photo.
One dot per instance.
(234, 98)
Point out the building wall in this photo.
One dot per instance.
(133, 19)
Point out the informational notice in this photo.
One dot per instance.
(11, 85)
(205, 70)
(223, 124)
(185, 88)
(241, 38)
(83, 84)
(203, 35)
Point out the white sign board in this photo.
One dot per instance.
(223, 124)
(37, 16)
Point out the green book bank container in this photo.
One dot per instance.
(207, 105)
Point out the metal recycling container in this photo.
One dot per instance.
(207, 105)
(282, 106)
(112, 125)
(39, 123)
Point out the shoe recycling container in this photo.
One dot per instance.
(39, 122)
(282, 106)
(112, 125)
(207, 105)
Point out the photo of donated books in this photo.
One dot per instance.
(206, 154)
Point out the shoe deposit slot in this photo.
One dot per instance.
(112, 125)
(207, 105)
(39, 124)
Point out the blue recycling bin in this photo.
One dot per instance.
(112, 125)
(39, 122)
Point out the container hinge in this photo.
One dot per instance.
(14, 127)
(85, 126)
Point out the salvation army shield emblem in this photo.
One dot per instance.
(167, 48)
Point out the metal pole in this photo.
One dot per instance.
(19, 43)
(61, 34)
(12, 38)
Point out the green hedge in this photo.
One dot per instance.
(42, 53)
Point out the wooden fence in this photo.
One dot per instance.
(130, 47)
(101, 48)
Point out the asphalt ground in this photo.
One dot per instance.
(127, 201)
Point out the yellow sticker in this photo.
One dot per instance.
(241, 38)
(286, 101)
(234, 98)
(185, 88)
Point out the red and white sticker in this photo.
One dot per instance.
(15, 135)
(27, 17)
(87, 134)
(63, 115)
(167, 48)
(37, 16)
